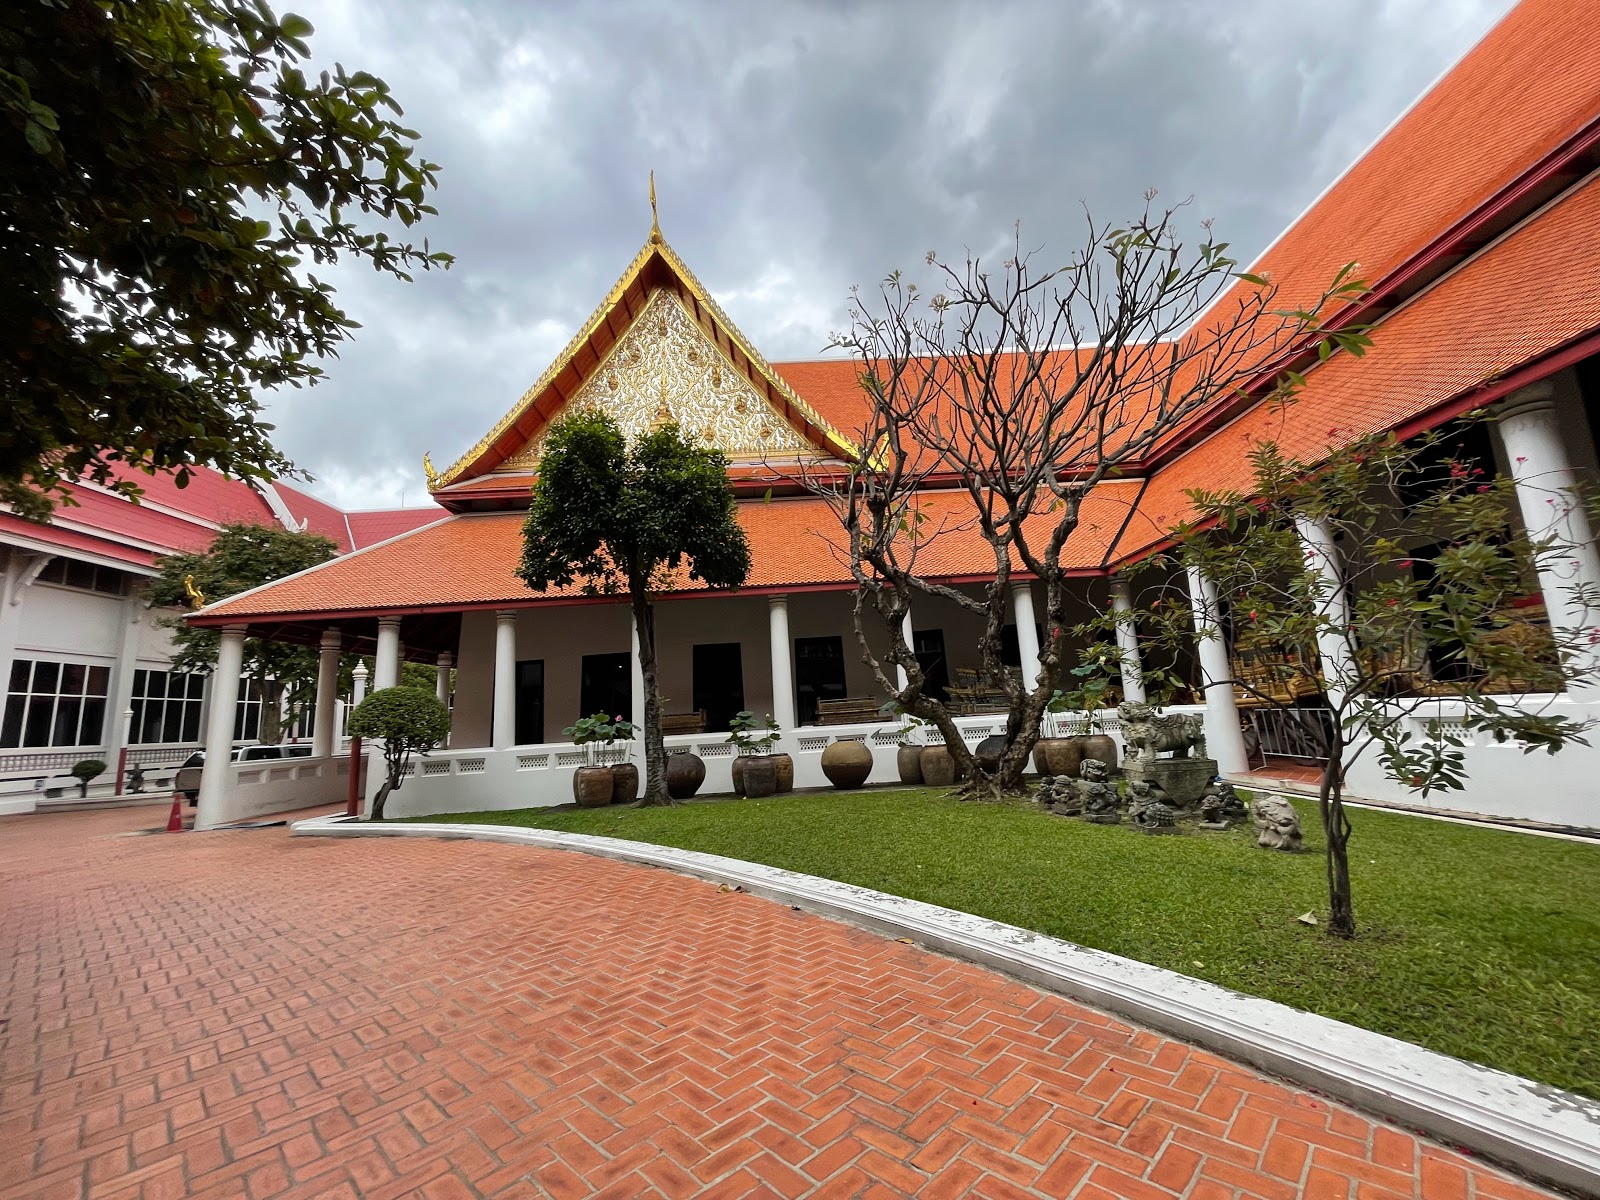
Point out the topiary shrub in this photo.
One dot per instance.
(409, 721)
(86, 770)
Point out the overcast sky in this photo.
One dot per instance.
(800, 147)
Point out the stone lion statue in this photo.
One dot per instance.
(1147, 732)
(1277, 824)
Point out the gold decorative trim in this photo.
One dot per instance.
(654, 245)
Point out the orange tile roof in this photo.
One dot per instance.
(1533, 292)
(469, 560)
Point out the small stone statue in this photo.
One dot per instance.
(1147, 807)
(1220, 805)
(1097, 795)
(136, 779)
(1057, 794)
(1277, 824)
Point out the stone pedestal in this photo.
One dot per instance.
(1182, 779)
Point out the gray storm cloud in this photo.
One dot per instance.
(801, 148)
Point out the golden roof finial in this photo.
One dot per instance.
(655, 220)
(196, 599)
(428, 471)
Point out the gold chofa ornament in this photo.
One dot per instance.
(427, 469)
(196, 599)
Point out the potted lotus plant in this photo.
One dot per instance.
(756, 769)
(606, 777)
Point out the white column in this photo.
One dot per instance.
(1332, 603)
(782, 662)
(910, 635)
(215, 777)
(358, 692)
(324, 727)
(1224, 738)
(505, 679)
(635, 685)
(1542, 472)
(1127, 641)
(441, 686)
(386, 663)
(1027, 633)
(117, 731)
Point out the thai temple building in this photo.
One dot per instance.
(1476, 220)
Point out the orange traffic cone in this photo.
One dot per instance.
(175, 817)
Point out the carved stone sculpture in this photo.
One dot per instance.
(1220, 805)
(1057, 794)
(1096, 794)
(1147, 732)
(1277, 824)
(1147, 808)
(1185, 770)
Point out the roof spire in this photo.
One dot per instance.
(655, 220)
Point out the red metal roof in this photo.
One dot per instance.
(70, 540)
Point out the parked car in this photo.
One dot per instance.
(187, 779)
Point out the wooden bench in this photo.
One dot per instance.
(694, 722)
(852, 710)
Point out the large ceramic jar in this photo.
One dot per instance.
(591, 787)
(938, 767)
(783, 764)
(685, 774)
(1103, 747)
(847, 764)
(624, 783)
(760, 776)
(736, 772)
(987, 753)
(908, 762)
(1058, 756)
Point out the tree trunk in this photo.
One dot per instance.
(378, 800)
(655, 747)
(1336, 831)
(270, 732)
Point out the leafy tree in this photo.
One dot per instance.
(84, 771)
(967, 381)
(1386, 576)
(409, 721)
(171, 173)
(244, 557)
(632, 521)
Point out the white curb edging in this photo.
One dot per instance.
(1549, 1134)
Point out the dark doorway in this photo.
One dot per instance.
(1011, 649)
(818, 674)
(606, 686)
(718, 683)
(530, 702)
(928, 645)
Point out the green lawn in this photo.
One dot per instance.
(1475, 942)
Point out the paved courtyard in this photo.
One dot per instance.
(246, 1014)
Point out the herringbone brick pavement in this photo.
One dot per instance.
(249, 1015)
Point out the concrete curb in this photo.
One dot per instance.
(1544, 1132)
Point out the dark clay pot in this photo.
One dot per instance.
(1058, 756)
(760, 776)
(938, 768)
(847, 764)
(784, 766)
(987, 753)
(1102, 746)
(591, 787)
(624, 783)
(685, 774)
(736, 771)
(908, 761)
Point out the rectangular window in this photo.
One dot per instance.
(54, 704)
(166, 707)
(69, 572)
(247, 713)
(928, 646)
(605, 686)
(530, 702)
(718, 683)
(818, 674)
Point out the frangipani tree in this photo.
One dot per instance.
(408, 721)
(1387, 605)
(1025, 389)
(628, 521)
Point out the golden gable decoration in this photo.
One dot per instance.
(665, 369)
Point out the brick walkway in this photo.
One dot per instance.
(243, 1014)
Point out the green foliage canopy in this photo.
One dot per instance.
(171, 173)
(410, 721)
